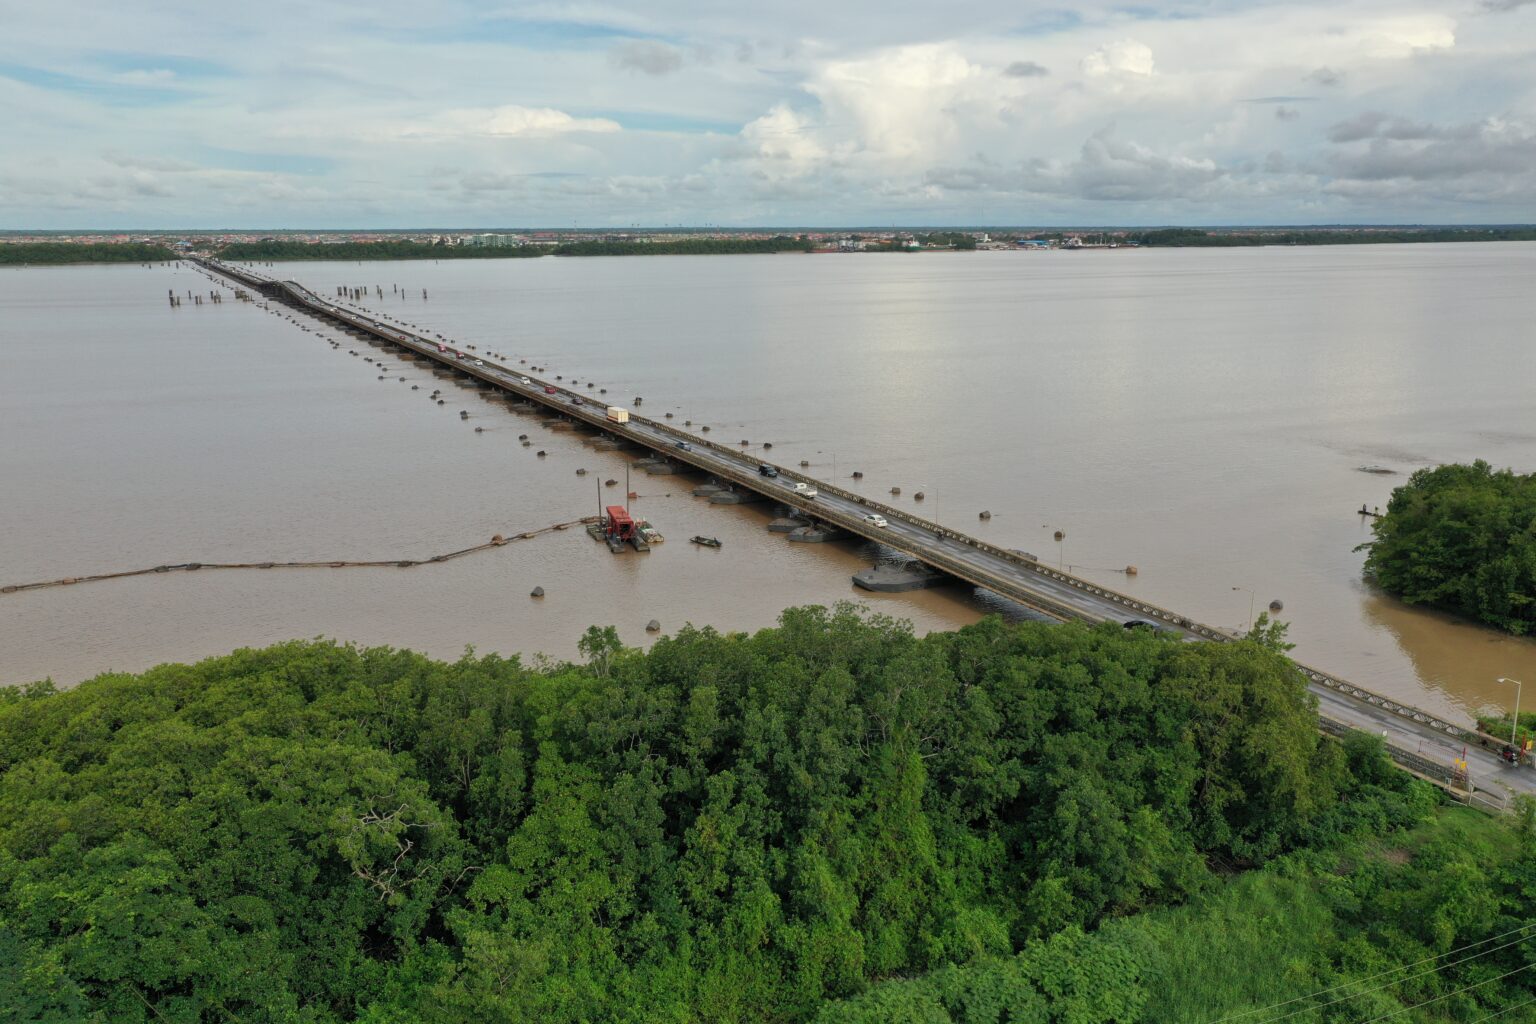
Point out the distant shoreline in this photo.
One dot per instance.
(469, 246)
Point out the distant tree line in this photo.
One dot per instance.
(53, 253)
(1183, 237)
(727, 828)
(685, 246)
(1461, 538)
(274, 249)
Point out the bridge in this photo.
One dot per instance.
(1417, 740)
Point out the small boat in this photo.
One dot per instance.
(708, 542)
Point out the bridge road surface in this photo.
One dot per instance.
(947, 550)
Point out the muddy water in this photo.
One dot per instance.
(1201, 415)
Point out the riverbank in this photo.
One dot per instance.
(404, 250)
(52, 254)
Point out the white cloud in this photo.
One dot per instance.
(1125, 57)
(507, 121)
(798, 113)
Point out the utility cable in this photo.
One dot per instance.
(1383, 974)
(1500, 1013)
(1394, 981)
(1448, 995)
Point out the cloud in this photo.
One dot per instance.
(1106, 169)
(1123, 57)
(1026, 69)
(512, 121)
(783, 143)
(1493, 160)
(647, 56)
(1361, 126)
(828, 113)
(1376, 125)
(493, 182)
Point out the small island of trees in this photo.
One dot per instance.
(1462, 538)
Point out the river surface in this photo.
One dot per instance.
(1199, 414)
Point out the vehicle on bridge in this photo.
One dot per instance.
(876, 520)
(684, 445)
(767, 470)
(618, 414)
(549, 389)
(805, 490)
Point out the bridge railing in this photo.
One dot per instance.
(1445, 776)
(936, 559)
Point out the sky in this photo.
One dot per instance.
(463, 113)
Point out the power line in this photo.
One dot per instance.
(1448, 995)
(1500, 1013)
(1380, 974)
(1397, 981)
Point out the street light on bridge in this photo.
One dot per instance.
(1514, 729)
(1250, 606)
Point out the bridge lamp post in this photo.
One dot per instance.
(1250, 605)
(1514, 729)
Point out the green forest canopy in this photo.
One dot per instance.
(40, 253)
(275, 249)
(1461, 538)
(832, 819)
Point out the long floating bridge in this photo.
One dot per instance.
(1416, 739)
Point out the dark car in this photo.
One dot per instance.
(767, 470)
(1155, 627)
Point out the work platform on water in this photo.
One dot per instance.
(1418, 740)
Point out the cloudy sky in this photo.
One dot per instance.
(375, 113)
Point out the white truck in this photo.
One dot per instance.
(617, 414)
(805, 490)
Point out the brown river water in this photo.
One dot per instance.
(1201, 414)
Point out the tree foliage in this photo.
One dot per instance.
(52, 253)
(1183, 237)
(405, 249)
(726, 828)
(1462, 538)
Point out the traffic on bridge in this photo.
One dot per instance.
(1418, 740)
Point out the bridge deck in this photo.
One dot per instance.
(1415, 737)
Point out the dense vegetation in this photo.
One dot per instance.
(41, 253)
(1426, 925)
(1346, 236)
(685, 247)
(829, 819)
(275, 249)
(1462, 538)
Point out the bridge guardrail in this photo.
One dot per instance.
(1441, 774)
(1137, 605)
